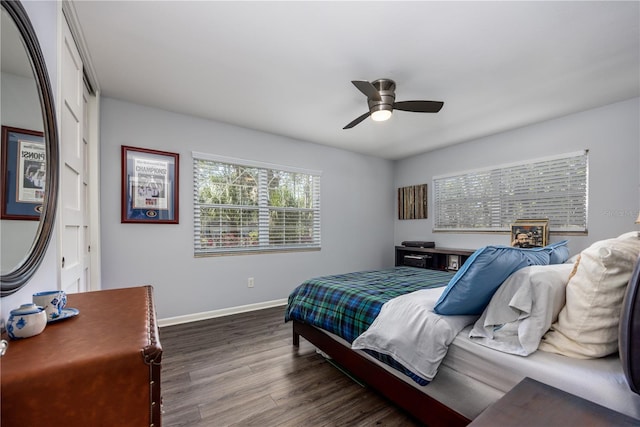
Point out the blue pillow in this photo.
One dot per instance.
(472, 287)
(558, 252)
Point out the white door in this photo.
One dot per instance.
(86, 188)
(73, 247)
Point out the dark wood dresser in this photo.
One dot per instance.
(99, 368)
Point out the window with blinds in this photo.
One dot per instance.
(491, 199)
(242, 206)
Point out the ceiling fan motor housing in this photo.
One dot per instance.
(386, 88)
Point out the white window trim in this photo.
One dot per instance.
(252, 163)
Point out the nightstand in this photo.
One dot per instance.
(433, 258)
(532, 403)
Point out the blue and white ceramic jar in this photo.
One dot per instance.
(26, 321)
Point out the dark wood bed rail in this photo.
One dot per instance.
(423, 408)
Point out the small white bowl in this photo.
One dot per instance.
(26, 321)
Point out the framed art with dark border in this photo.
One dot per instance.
(149, 186)
(24, 173)
(530, 233)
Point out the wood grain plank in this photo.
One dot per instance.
(242, 370)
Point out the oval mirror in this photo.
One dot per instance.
(29, 167)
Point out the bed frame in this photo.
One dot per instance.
(423, 408)
(430, 411)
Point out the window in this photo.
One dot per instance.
(493, 198)
(242, 206)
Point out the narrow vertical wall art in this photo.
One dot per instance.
(412, 202)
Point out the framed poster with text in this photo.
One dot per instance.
(149, 186)
(23, 173)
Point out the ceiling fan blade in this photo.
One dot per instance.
(358, 120)
(368, 89)
(419, 106)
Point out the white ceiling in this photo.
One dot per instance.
(285, 67)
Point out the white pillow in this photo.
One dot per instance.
(587, 326)
(523, 309)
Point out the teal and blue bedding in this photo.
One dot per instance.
(347, 304)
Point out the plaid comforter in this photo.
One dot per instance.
(346, 304)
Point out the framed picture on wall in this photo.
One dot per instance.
(149, 186)
(24, 174)
(530, 233)
(412, 202)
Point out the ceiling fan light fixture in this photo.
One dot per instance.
(381, 115)
(381, 98)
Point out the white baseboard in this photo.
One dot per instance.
(177, 320)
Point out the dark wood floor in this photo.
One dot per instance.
(242, 370)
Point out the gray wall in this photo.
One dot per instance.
(612, 135)
(358, 197)
(20, 108)
(357, 203)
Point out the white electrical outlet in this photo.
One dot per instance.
(250, 282)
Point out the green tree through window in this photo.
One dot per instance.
(240, 208)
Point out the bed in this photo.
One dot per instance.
(474, 365)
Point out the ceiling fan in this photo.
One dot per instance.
(381, 98)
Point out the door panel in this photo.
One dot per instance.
(72, 272)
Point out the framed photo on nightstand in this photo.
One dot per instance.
(530, 233)
(453, 262)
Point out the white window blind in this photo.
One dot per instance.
(492, 199)
(244, 206)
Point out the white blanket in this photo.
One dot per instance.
(522, 309)
(408, 330)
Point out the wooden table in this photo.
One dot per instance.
(99, 368)
(532, 403)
